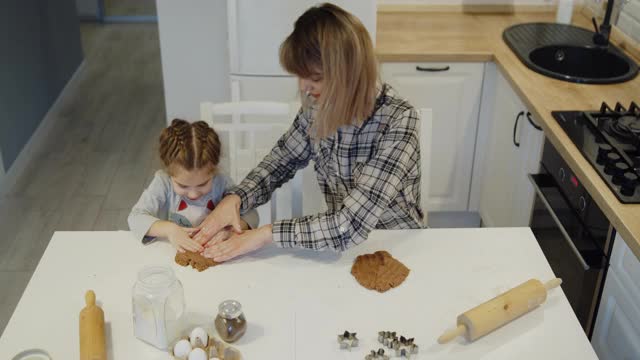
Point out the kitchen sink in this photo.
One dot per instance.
(567, 53)
(582, 63)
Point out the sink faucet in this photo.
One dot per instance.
(601, 37)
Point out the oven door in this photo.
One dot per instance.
(569, 247)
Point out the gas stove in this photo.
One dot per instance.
(609, 139)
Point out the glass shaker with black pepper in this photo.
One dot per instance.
(230, 322)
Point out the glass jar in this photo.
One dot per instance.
(158, 306)
(230, 322)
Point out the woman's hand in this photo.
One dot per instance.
(240, 244)
(180, 238)
(226, 214)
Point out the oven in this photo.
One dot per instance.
(573, 233)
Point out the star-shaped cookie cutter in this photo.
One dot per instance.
(377, 355)
(403, 347)
(348, 340)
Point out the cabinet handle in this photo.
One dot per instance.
(515, 128)
(535, 126)
(433, 69)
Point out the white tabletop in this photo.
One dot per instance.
(296, 302)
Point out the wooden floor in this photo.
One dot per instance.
(94, 165)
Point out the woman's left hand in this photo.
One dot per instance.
(240, 244)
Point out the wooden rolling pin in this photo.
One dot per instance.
(92, 341)
(500, 310)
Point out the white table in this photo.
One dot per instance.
(296, 302)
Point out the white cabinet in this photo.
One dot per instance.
(617, 329)
(509, 148)
(454, 96)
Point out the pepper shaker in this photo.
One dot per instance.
(230, 322)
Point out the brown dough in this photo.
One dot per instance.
(196, 260)
(379, 271)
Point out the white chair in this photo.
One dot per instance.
(243, 156)
(243, 159)
(425, 126)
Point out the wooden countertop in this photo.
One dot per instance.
(434, 37)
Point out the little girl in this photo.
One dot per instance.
(181, 196)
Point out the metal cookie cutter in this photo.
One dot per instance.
(377, 355)
(403, 347)
(387, 338)
(403, 353)
(347, 340)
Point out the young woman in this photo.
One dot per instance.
(362, 137)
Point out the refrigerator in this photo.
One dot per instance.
(256, 28)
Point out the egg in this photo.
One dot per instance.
(199, 337)
(182, 349)
(198, 354)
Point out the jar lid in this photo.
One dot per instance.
(230, 309)
(156, 277)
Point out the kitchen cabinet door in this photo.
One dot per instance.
(617, 329)
(502, 167)
(453, 92)
(529, 156)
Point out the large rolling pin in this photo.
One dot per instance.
(92, 341)
(500, 310)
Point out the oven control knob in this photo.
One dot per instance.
(612, 160)
(603, 151)
(561, 174)
(619, 169)
(582, 204)
(629, 184)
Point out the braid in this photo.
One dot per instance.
(206, 144)
(189, 145)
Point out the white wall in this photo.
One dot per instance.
(195, 60)
(2, 171)
(629, 20)
(87, 8)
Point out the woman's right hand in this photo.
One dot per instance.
(180, 238)
(225, 215)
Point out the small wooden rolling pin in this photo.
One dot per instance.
(500, 310)
(92, 341)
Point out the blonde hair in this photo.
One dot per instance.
(191, 146)
(329, 39)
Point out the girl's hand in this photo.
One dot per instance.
(240, 244)
(221, 236)
(226, 213)
(180, 238)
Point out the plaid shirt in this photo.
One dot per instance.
(369, 175)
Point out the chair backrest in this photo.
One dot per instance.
(251, 121)
(244, 155)
(425, 126)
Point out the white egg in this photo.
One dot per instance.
(198, 354)
(182, 349)
(198, 337)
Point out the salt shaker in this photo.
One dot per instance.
(230, 322)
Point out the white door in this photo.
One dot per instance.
(257, 28)
(502, 168)
(617, 328)
(454, 96)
